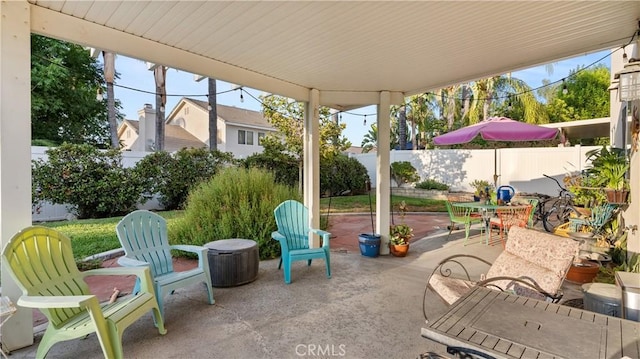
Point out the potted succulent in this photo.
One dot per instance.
(400, 234)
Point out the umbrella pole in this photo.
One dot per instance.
(495, 168)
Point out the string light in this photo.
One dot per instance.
(365, 120)
(100, 97)
(625, 59)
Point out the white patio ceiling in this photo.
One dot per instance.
(349, 51)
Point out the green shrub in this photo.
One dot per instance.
(236, 203)
(404, 172)
(173, 175)
(93, 182)
(342, 173)
(283, 166)
(432, 184)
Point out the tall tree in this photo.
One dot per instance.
(213, 114)
(160, 75)
(287, 117)
(64, 82)
(109, 76)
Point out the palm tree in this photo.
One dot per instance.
(109, 75)
(160, 75)
(487, 92)
(370, 140)
(213, 115)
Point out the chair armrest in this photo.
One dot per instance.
(199, 250)
(278, 237)
(455, 260)
(125, 261)
(325, 236)
(143, 273)
(202, 252)
(67, 301)
(527, 281)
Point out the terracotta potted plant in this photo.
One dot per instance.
(400, 234)
(609, 169)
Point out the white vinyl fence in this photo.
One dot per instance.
(522, 168)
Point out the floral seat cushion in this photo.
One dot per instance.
(449, 288)
(529, 255)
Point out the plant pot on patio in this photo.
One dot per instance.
(583, 272)
(399, 250)
(617, 196)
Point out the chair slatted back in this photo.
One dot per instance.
(292, 219)
(144, 237)
(516, 216)
(42, 263)
(534, 206)
(457, 213)
(600, 215)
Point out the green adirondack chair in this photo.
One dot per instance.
(143, 235)
(292, 218)
(41, 262)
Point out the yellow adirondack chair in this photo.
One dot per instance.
(41, 262)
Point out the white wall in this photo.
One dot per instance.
(522, 168)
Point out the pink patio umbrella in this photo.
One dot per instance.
(497, 129)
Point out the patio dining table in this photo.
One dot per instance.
(487, 210)
(502, 325)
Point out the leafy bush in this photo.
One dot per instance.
(404, 172)
(236, 203)
(432, 184)
(342, 173)
(283, 166)
(92, 181)
(172, 176)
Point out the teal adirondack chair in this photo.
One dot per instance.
(292, 218)
(600, 215)
(143, 235)
(41, 262)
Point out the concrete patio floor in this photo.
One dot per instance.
(370, 308)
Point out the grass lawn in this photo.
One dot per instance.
(93, 236)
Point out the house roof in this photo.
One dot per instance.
(235, 116)
(351, 52)
(175, 137)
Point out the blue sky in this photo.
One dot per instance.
(134, 74)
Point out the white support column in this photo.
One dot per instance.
(312, 162)
(383, 175)
(15, 151)
(632, 213)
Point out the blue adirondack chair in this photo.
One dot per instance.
(143, 235)
(41, 262)
(292, 218)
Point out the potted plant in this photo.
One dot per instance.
(400, 234)
(609, 169)
(480, 189)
